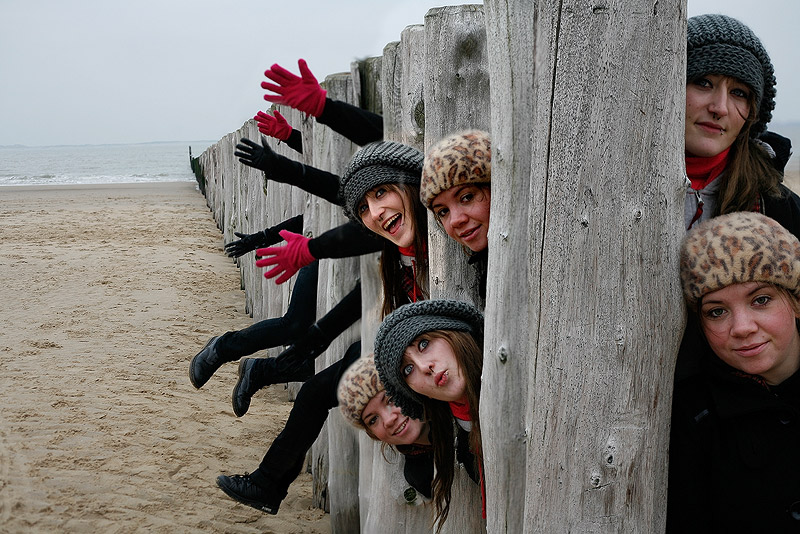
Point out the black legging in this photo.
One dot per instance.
(280, 330)
(285, 457)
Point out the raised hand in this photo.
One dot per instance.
(249, 242)
(299, 92)
(254, 155)
(287, 259)
(276, 126)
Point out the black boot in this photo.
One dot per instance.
(244, 489)
(256, 373)
(205, 363)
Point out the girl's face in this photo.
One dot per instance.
(430, 368)
(383, 210)
(387, 423)
(751, 326)
(464, 214)
(716, 109)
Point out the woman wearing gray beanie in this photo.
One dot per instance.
(733, 164)
(734, 463)
(429, 356)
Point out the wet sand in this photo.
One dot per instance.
(107, 292)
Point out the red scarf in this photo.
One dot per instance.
(703, 171)
(460, 411)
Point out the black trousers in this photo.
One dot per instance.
(279, 331)
(285, 457)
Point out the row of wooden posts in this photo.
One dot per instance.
(584, 101)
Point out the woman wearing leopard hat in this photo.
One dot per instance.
(734, 462)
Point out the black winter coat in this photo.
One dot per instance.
(734, 453)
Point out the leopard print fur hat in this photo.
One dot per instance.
(357, 387)
(736, 248)
(462, 158)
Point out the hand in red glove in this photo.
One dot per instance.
(287, 259)
(299, 92)
(276, 126)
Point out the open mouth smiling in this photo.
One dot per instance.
(401, 427)
(391, 224)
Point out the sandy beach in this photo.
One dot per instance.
(107, 292)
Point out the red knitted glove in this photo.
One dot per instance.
(287, 259)
(276, 126)
(299, 92)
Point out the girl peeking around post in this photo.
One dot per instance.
(429, 355)
(734, 463)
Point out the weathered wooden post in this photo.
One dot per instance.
(381, 510)
(335, 453)
(456, 93)
(584, 312)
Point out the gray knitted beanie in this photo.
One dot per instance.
(381, 162)
(403, 326)
(718, 44)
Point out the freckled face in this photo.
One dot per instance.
(751, 327)
(464, 214)
(716, 110)
(430, 368)
(383, 211)
(387, 423)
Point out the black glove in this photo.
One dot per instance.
(248, 242)
(305, 349)
(257, 156)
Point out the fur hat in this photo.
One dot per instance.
(358, 385)
(735, 248)
(403, 326)
(718, 44)
(381, 162)
(463, 158)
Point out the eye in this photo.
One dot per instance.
(702, 82)
(741, 93)
(379, 192)
(407, 369)
(762, 300)
(421, 344)
(372, 420)
(442, 213)
(467, 197)
(714, 313)
(361, 208)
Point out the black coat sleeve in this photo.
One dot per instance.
(349, 239)
(358, 125)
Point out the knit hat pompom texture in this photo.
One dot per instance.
(403, 326)
(357, 387)
(736, 248)
(463, 158)
(718, 44)
(381, 162)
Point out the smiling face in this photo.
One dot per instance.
(387, 423)
(716, 110)
(384, 210)
(430, 368)
(751, 326)
(464, 214)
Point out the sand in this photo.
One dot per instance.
(107, 292)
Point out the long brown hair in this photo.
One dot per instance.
(749, 173)
(394, 294)
(468, 350)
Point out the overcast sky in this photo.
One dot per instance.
(99, 71)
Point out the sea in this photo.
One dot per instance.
(99, 164)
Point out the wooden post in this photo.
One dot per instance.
(381, 509)
(456, 98)
(584, 311)
(335, 453)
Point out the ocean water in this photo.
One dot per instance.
(98, 164)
